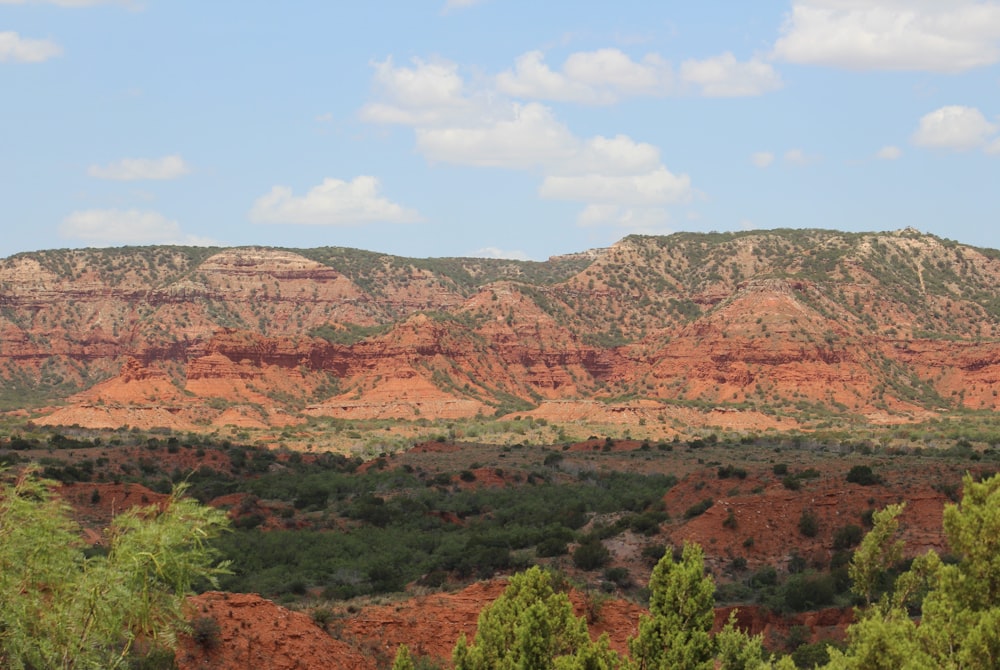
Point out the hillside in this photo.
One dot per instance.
(775, 329)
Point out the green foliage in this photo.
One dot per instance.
(698, 508)
(847, 536)
(960, 603)
(863, 475)
(811, 655)
(735, 650)
(591, 555)
(532, 626)
(205, 632)
(676, 635)
(808, 523)
(62, 609)
(809, 591)
(878, 551)
(405, 535)
(403, 660)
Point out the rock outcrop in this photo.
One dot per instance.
(889, 326)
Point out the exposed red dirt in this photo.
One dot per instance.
(256, 633)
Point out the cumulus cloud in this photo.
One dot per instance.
(659, 186)
(108, 227)
(954, 127)
(484, 129)
(762, 159)
(133, 169)
(725, 77)
(19, 49)
(530, 137)
(428, 93)
(332, 203)
(596, 77)
(606, 76)
(993, 148)
(889, 153)
(947, 36)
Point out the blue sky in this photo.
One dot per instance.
(493, 127)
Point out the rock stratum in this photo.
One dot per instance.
(761, 328)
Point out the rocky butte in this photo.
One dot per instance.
(761, 327)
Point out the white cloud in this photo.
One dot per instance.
(937, 36)
(532, 78)
(332, 203)
(889, 153)
(529, 138)
(494, 252)
(616, 155)
(659, 186)
(598, 77)
(610, 68)
(993, 148)
(107, 227)
(484, 129)
(19, 49)
(428, 93)
(762, 159)
(723, 76)
(133, 169)
(606, 76)
(954, 127)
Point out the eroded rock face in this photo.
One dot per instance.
(888, 326)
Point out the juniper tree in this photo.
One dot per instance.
(531, 626)
(959, 604)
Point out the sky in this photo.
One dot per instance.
(494, 128)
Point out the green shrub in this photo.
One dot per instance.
(808, 523)
(205, 632)
(847, 537)
(591, 555)
(809, 591)
(698, 508)
(791, 483)
(863, 475)
(550, 547)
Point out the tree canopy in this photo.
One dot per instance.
(959, 603)
(531, 625)
(63, 608)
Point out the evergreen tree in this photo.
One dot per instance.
(403, 660)
(532, 627)
(735, 650)
(960, 622)
(676, 636)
